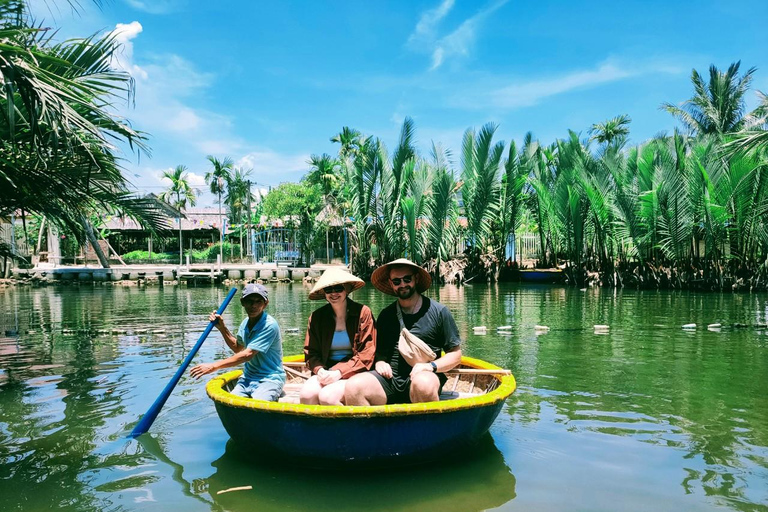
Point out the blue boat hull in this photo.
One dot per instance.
(542, 276)
(411, 438)
(389, 434)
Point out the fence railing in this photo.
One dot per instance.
(6, 235)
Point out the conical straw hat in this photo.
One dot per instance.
(332, 277)
(380, 277)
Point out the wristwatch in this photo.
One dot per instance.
(434, 366)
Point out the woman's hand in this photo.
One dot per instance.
(326, 377)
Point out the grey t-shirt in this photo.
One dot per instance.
(433, 324)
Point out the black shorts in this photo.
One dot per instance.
(397, 395)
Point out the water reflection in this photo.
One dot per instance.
(473, 481)
(648, 413)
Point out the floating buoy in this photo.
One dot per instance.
(602, 327)
(504, 328)
(541, 327)
(480, 328)
(689, 326)
(714, 326)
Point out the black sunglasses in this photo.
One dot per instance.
(405, 279)
(334, 289)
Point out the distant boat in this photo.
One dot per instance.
(542, 275)
(388, 434)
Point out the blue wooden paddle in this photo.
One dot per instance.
(149, 418)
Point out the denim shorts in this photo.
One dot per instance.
(258, 390)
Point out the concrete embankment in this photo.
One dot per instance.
(164, 274)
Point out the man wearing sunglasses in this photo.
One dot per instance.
(393, 379)
(258, 344)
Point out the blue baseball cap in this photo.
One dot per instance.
(256, 288)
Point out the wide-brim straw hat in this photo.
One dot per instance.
(380, 277)
(332, 277)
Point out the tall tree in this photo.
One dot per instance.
(217, 179)
(614, 131)
(717, 106)
(480, 172)
(179, 194)
(58, 131)
(238, 194)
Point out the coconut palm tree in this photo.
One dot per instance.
(238, 197)
(57, 130)
(324, 173)
(217, 180)
(179, 194)
(717, 106)
(611, 132)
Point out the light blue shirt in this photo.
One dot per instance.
(266, 341)
(340, 346)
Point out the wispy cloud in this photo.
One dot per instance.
(527, 93)
(461, 40)
(270, 167)
(425, 28)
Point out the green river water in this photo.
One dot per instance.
(645, 417)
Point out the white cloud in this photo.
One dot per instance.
(425, 28)
(460, 41)
(165, 87)
(272, 168)
(184, 120)
(124, 34)
(526, 94)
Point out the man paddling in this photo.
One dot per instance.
(394, 379)
(258, 344)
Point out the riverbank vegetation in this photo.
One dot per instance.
(684, 209)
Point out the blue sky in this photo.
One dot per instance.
(268, 83)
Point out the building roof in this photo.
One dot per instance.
(193, 219)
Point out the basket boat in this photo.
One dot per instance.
(397, 433)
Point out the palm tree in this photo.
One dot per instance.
(179, 194)
(362, 183)
(351, 141)
(323, 173)
(717, 107)
(237, 200)
(217, 179)
(480, 191)
(612, 131)
(57, 131)
(512, 194)
(442, 207)
(396, 178)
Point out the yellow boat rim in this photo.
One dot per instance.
(215, 390)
